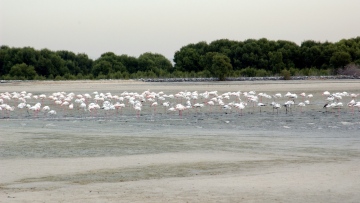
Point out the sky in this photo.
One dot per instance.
(134, 27)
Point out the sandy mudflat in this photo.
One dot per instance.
(134, 85)
(206, 156)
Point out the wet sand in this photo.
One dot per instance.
(206, 156)
(134, 85)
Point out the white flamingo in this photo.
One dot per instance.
(180, 108)
(154, 104)
(52, 112)
(301, 105)
(351, 105)
(260, 105)
(276, 106)
(240, 106)
(137, 108)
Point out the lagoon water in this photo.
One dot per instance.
(204, 156)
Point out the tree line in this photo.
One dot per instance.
(220, 58)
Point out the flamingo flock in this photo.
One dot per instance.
(97, 104)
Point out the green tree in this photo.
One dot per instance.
(156, 63)
(50, 63)
(66, 55)
(27, 55)
(289, 51)
(84, 63)
(102, 68)
(131, 63)
(276, 61)
(223, 46)
(187, 59)
(340, 59)
(107, 64)
(3, 58)
(221, 66)
(23, 71)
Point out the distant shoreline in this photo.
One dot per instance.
(274, 78)
(335, 77)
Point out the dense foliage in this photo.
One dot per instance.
(221, 58)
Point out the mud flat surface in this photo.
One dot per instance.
(207, 155)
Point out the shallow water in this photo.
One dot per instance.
(266, 133)
(291, 156)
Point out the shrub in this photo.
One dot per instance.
(90, 77)
(69, 76)
(151, 74)
(286, 74)
(204, 74)
(351, 69)
(58, 77)
(236, 73)
(177, 74)
(262, 73)
(116, 75)
(39, 77)
(101, 76)
(325, 72)
(7, 77)
(126, 75)
(294, 71)
(79, 76)
(248, 72)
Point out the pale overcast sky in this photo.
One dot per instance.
(134, 27)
